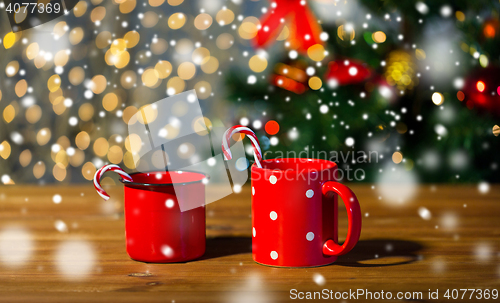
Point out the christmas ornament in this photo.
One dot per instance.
(496, 130)
(490, 28)
(272, 127)
(346, 32)
(481, 90)
(304, 29)
(345, 72)
(401, 70)
(291, 77)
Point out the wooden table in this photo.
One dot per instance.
(75, 250)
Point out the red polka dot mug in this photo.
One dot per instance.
(294, 213)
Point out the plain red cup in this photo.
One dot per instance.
(155, 227)
(294, 213)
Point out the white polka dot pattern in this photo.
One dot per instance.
(274, 255)
(273, 179)
(310, 236)
(309, 193)
(273, 215)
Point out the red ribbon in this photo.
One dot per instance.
(304, 27)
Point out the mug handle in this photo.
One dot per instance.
(331, 248)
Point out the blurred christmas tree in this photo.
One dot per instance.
(415, 82)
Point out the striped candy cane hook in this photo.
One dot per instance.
(251, 135)
(100, 172)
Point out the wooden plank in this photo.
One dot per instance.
(399, 251)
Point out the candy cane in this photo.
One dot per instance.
(98, 175)
(251, 135)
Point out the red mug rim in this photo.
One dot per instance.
(293, 161)
(204, 176)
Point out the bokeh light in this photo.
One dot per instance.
(203, 21)
(437, 98)
(480, 86)
(396, 186)
(75, 259)
(379, 37)
(258, 63)
(272, 127)
(16, 246)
